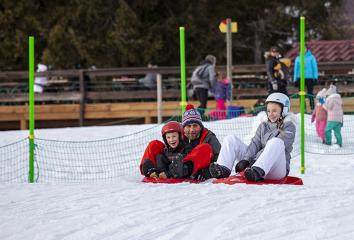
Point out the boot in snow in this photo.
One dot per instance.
(219, 171)
(254, 174)
(241, 165)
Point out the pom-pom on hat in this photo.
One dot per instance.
(191, 115)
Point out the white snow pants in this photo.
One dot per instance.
(272, 159)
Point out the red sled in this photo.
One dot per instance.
(241, 179)
(169, 180)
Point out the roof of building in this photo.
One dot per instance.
(327, 51)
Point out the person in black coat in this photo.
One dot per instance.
(275, 82)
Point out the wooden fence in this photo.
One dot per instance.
(87, 94)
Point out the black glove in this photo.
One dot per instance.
(241, 165)
(202, 175)
(177, 168)
(199, 176)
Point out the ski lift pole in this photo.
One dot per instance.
(302, 92)
(229, 54)
(159, 97)
(228, 27)
(31, 108)
(183, 70)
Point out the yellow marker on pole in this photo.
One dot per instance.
(223, 27)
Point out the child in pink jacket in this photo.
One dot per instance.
(320, 115)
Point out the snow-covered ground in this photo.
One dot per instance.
(130, 209)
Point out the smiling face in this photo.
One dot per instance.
(192, 131)
(172, 139)
(273, 111)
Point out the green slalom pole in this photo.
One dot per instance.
(183, 70)
(302, 92)
(31, 109)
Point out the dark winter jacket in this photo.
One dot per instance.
(209, 137)
(198, 160)
(275, 81)
(271, 62)
(182, 148)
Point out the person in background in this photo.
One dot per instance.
(334, 109)
(275, 81)
(258, 107)
(149, 81)
(222, 95)
(203, 80)
(311, 74)
(268, 154)
(40, 82)
(320, 115)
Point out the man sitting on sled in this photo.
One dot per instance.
(204, 146)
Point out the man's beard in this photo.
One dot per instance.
(193, 136)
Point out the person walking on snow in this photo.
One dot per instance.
(334, 109)
(268, 154)
(202, 143)
(320, 115)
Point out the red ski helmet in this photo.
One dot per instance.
(172, 126)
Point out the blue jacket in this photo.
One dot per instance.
(311, 70)
(222, 91)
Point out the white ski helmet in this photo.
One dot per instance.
(282, 99)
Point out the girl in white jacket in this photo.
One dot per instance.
(268, 154)
(334, 109)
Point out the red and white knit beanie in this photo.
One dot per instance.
(191, 115)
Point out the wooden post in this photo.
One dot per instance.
(159, 98)
(82, 98)
(23, 123)
(229, 54)
(147, 119)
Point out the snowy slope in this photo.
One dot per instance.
(129, 209)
